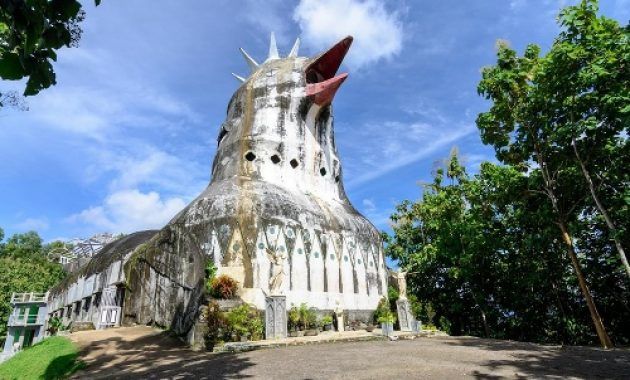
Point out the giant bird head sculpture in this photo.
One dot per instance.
(279, 125)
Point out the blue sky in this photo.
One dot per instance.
(127, 137)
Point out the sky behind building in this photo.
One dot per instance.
(127, 137)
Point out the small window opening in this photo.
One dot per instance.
(250, 156)
(294, 163)
(337, 178)
(322, 171)
(275, 159)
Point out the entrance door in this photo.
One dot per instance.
(28, 338)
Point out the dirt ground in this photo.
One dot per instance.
(142, 352)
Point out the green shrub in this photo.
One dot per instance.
(55, 324)
(381, 309)
(217, 325)
(223, 287)
(211, 272)
(387, 317)
(294, 318)
(327, 320)
(245, 321)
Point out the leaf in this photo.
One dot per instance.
(10, 67)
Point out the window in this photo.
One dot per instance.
(322, 171)
(294, 163)
(275, 159)
(250, 156)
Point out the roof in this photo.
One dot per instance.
(114, 251)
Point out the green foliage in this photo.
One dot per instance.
(31, 33)
(217, 325)
(242, 321)
(387, 317)
(223, 287)
(294, 318)
(211, 272)
(245, 321)
(302, 317)
(326, 320)
(382, 309)
(53, 358)
(23, 245)
(24, 268)
(55, 324)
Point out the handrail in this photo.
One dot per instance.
(29, 297)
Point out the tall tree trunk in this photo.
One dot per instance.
(602, 210)
(597, 320)
(568, 242)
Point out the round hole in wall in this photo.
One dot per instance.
(250, 156)
(316, 254)
(294, 163)
(332, 256)
(261, 245)
(322, 171)
(359, 261)
(345, 258)
(337, 178)
(275, 159)
(299, 251)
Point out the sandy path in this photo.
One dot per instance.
(142, 352)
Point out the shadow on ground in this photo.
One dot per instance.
(155, 357)
(533, 360)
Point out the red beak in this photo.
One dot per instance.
(321, 84)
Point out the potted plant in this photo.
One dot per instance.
(294, 321)
(223, 287)
(387, 320)
(310, 325)
(326, 322)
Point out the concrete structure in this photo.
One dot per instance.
(27, 322)
(94, 294)
(276, 191)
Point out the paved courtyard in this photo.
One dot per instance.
(142, 352)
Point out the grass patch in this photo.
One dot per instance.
(53, 358)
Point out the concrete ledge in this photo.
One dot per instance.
(322, 338)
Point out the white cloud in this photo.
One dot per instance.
(368, 205)
(391, 145)
(378, 34)
(138, 164)
(33, 224)
(130, 210)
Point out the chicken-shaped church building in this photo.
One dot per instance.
(275, 215)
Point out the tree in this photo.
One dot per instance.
(24, 268)
(31, 33)
(23, 245)
(542, 104)
(484, 253)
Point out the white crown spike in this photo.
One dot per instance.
(253, 65)
(239, 77)
(295, 49)
(273, 48)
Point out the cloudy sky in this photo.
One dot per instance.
(127, 137)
